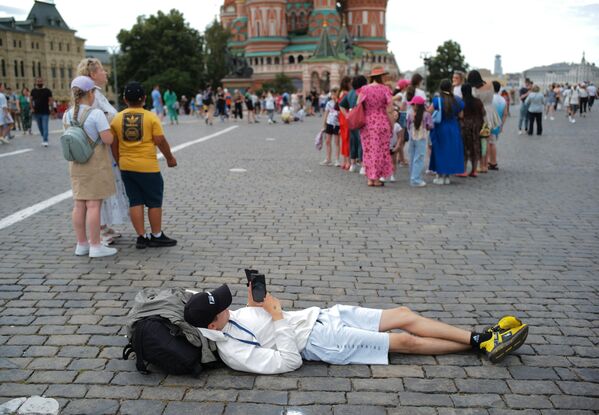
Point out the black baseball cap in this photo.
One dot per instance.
(134, 91)
(202, 308)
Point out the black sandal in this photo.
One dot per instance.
(493, 167)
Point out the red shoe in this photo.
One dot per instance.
(473, 174)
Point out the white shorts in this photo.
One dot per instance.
(348, 335)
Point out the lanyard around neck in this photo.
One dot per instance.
(240, 327)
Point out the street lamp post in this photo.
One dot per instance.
(425, 56)
(114, 50)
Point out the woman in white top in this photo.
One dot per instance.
(93, 180)
(115, 209)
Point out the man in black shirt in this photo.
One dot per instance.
(42, 100)
(523, 121)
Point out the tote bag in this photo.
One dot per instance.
(356, 118)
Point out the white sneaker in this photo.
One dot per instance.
(4, 140)
(446, 180)
(100, 251)
(421, 184)
(573, 121)
(392, 178)
(362, 170)
(353, 168)
(438, 180)
(337, 164)
(45, 144)
(519, 132)
(82, 249)
(383, 179)
(325, 163)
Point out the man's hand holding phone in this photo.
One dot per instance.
(273, 307)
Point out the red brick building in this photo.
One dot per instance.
(314, 42)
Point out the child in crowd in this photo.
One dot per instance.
(419, 125)
(93, 180)
(286, 116)
(138, 133)
(269, 104)
(395, 144)
(331, 128)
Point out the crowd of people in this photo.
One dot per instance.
(19, 108)
(223, 104)
(538, 106)
(453, 134)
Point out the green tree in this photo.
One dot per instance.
(162, 49)
(441, 66)
(216, 38)
(282, 83)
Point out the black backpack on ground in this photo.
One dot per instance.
(157, 341)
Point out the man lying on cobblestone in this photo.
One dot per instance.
(262, 338)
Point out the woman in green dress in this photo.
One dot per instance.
(25, 103)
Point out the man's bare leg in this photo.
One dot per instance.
(405, 319)
(409, 344)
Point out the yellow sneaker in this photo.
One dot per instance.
(504, 342)
(505, 323)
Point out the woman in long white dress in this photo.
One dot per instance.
(115, 209)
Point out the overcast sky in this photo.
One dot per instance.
(526, 33)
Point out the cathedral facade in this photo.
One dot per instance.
(313, 42)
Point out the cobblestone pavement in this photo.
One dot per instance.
(521, 240)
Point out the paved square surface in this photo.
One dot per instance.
(522, 240)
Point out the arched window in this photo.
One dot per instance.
(3, 69)
(291, 59)
(300, 58)
(39, 69)
(33, 69)
(22, 69)
(16, 69)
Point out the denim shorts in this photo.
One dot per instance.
(348, 335)
(143, 188)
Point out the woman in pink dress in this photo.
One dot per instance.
(376, 133)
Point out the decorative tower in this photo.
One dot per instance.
(267, 26)
(324, 13)
(239, 27)
(227, 13)
(366, 20)
(498, 70)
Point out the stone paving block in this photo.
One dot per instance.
(527, 401)
(314, 397)
(94, 377)
(194, 408)
(136, 378)
(15, 390)
(393, 371)
(263, 397)
(532, 387)
(424, 399)
(485, 400)
(52, 376)
(145, 407)
(372, 398)
(384, 385)
(309, 410)
(276, 383)
(14, 375)
(429, 385)
(324, 384)
(230, 382)
(66, 391)
(575, 402)
(91, 406)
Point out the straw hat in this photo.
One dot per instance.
(377, 71)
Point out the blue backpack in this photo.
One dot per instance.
(76, 144)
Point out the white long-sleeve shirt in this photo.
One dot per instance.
(280, 342)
